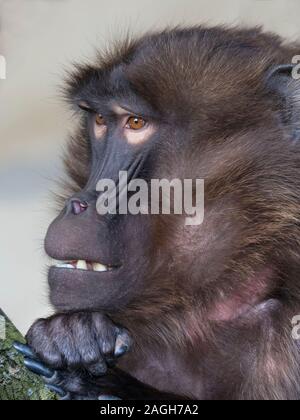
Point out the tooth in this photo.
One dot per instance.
(99, 267)
(81, 265)
(64, 265)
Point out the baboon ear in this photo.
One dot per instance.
(282, 81)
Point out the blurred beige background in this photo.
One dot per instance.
(38, 39)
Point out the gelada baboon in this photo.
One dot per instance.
(147, 307)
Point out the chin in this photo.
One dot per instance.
(94, 286)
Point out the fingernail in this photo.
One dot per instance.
(24, 350)
(38, 368)
(120, 351)
(57, 390)
(108, 398)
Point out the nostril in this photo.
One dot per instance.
(79, 207)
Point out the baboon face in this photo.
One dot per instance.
(190, 104)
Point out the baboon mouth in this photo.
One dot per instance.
(83, 265)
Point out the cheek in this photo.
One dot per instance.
(139, 136)
(99, 131)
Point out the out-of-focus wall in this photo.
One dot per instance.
(38, 39)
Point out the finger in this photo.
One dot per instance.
(57, 390)
(67, 397)
(123, 343)
(106, 333)
(39, 368)
(97, 369)
(24, 350)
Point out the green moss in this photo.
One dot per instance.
(16, 382)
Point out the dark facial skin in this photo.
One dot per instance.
(180, 312)
(84, 235)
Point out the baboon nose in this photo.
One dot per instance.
(78, 206)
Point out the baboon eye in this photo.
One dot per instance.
(135, 123)
(100, 120)
(100, 126)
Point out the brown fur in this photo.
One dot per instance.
(219, 300)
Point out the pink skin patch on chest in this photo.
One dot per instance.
(245, 298)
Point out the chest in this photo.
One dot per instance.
(167, 371)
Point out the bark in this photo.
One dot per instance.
(16, 382)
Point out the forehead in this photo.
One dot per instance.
(197, 75)
(111, 91)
